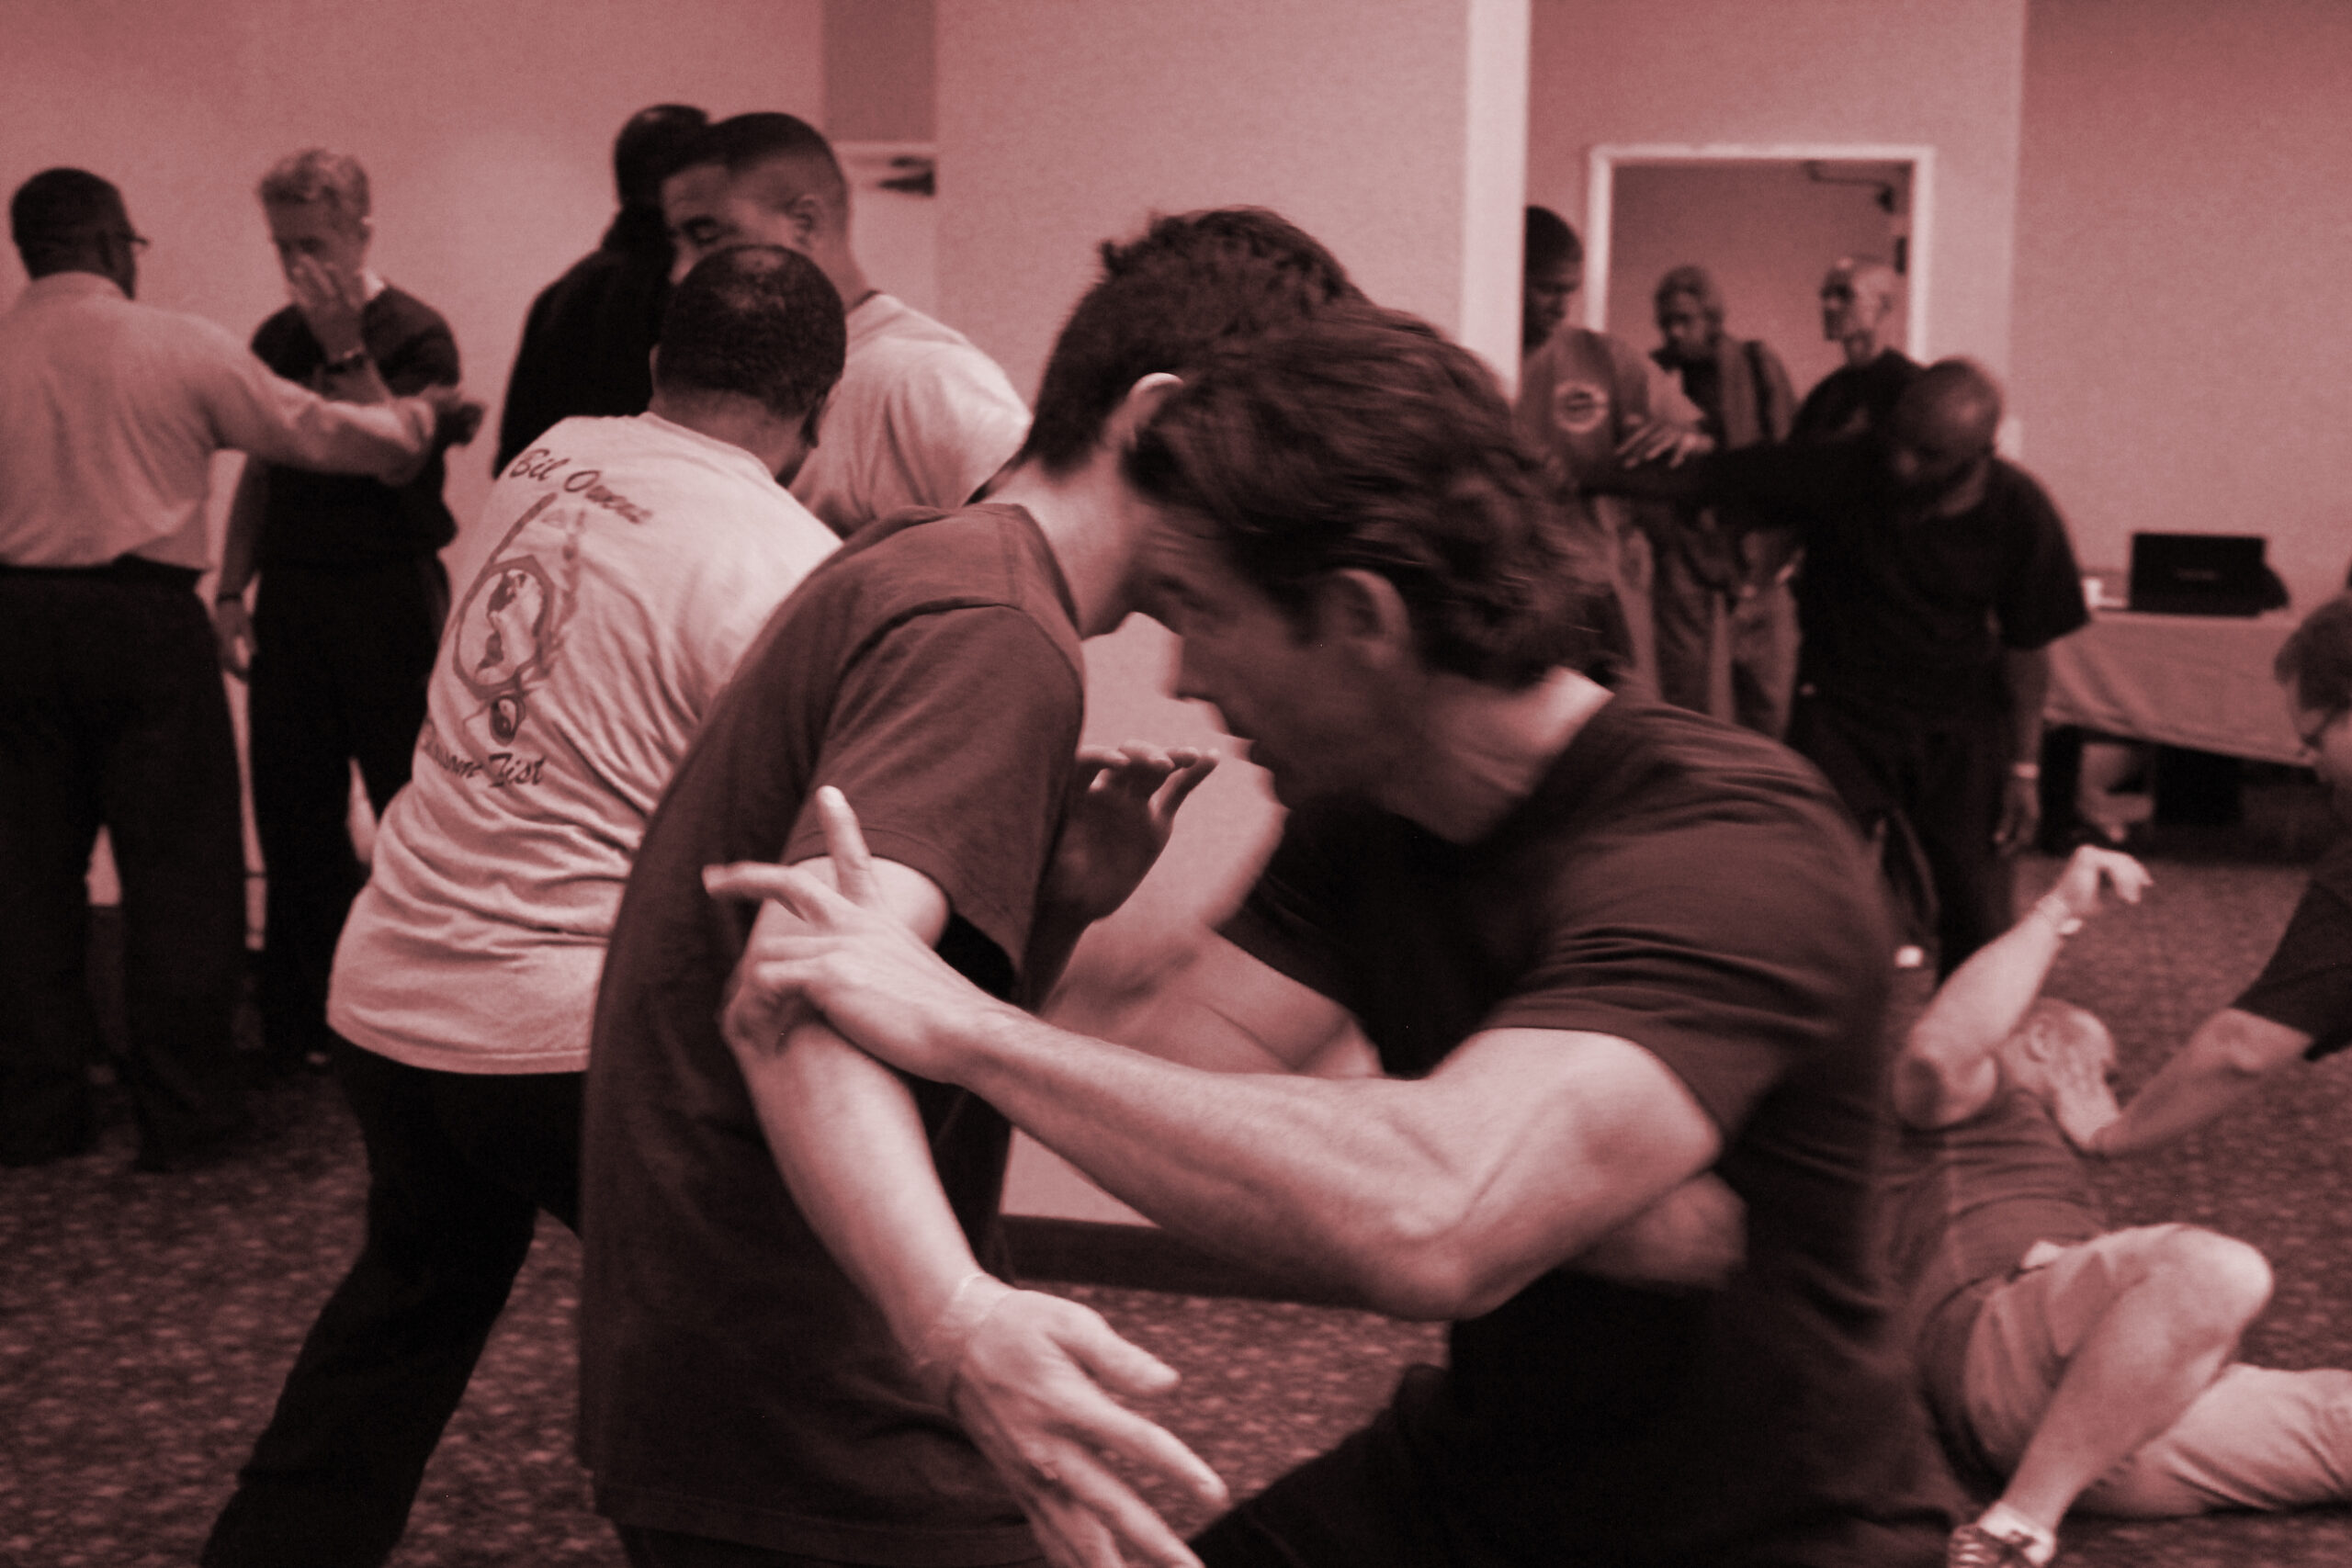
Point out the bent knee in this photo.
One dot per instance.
(2219, 1279)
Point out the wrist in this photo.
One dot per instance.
(2062, 919)
(2030, 772)
(938, 1354)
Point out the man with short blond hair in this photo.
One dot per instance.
(353, 592)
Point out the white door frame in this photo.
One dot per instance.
(1601, 181)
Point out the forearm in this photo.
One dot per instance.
(2227, 1059)
(847, 1138)
(1416, 1197)
(1946, 1070)
(302, 430)
(2028, 673)
(242, 535)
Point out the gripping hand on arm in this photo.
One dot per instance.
(1036, 1379)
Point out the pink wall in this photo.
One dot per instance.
(1909, 71)
(486, 130)
(2184, 343)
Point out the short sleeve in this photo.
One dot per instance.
(953, 735)
(427, 356)
(1277, 923)
(955, 420)
(2307, 985)
(2043, 600)
(1734, 947)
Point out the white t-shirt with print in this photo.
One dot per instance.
(920, 418)
(636, 560)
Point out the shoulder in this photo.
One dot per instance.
(406, 318)
(2021, 501)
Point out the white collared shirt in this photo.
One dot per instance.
(113, 410)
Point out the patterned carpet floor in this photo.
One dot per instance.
(145, 1320)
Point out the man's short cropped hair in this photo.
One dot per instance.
(649, 148)
(57, 209)
(1550, 241)
(1698, 286)
(1166, 300)
(745, 141)
(2317, 659)
(1360, 438)
(315, 176)
(757, 321)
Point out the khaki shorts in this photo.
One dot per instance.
(2255, 1438)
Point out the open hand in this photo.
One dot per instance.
(1660, 439)
(1037, 1390)
(2020, 815)
(330, 300)
(1121, 809)
(456, 417)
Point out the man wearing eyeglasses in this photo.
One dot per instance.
(111, 708)
(2299, 1006)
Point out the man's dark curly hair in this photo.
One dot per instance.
(757, 320)
(1360, 438)
(1165, 301)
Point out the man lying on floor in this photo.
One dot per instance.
(2088, 1367)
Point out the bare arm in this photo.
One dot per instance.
(2224, 1062)
(2028, 674)
(233, 626)
(1025, 1373)
(1947, 1071)
(1434, 1198)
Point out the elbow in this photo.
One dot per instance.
(1426, 1266)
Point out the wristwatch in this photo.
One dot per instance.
(344, 363)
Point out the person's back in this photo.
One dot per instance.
(636, 559)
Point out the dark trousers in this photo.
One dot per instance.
(112, 715)
(340, 663)
(1929, 792)
(459, 1167)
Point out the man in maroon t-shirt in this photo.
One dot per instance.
(758, 1383)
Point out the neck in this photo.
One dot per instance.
(1860, 350)
(840, 269)
(1093, 524)
(739, 422)
(1479, 751)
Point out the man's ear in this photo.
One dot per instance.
(1136, 410)
(1365, 608)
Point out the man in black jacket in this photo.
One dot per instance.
(585, 341)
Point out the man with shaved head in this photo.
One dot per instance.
(921, 416)
(1936, 577)
(1858, 300)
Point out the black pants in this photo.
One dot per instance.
(1933, 785)
(340, 663)
(112, 715)
(459, 1167)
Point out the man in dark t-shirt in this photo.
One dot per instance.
(1623, 966)
(353, 594)
(759, 1383)
(1935, 576)
(2036, 1323)
(2299, 1006)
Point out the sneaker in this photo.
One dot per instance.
(1973, 1546)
